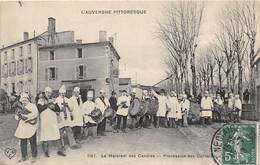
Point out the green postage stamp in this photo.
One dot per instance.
(236, 144)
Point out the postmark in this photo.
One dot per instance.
(235, 144)
(10, 152)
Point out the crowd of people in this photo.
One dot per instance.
(68, 121)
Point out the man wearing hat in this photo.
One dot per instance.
(231, 101)
(206, 108)
(27, 127)
(87, 107)
(163, 104)
(49, 130)
(174, 108)
(185, 108)
(113, 104)
(122, 112)
(65, 119)
(237, 108)
(134, 109)
(145, 118)
(102, 103)
(75, 104)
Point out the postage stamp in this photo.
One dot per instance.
(235, 144)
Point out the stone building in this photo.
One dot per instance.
(55, 58)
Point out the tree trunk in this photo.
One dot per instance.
(228, 83)
(194, 82)
(240, 79)
(219, 77)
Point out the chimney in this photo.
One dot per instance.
(102, 36)
(79, 41)
(51, 25)
(25, 36)
(111, 40)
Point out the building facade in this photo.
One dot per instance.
(54, 59)
(19, 66)
(91, 66)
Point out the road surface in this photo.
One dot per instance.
(142, 146)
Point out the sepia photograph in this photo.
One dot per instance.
(130, 82)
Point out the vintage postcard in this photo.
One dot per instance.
(129, 82)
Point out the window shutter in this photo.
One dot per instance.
(9, 69)
(14, 68)
(26, 65)
(17, 67)
(31, 65)
(46, 74)
(84, 71)
(56, 73)
(77, 72)
(22, 67)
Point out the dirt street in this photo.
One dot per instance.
(151, 146)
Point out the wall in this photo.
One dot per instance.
(94, 57)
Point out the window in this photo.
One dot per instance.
(21, 51)
(12, 69)
(81, 72)
(20, 67)
(79, 52)
(29, 48)
(20, 87)
(52, 55)
(13, 54)
(5, 56)
(5, 70)
(28, 65)
(51, 73)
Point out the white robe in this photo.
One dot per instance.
(49, 129)
(76, 111)
(206, 104)
(185, 105)
(63, 123)
(87, 108)
(174, 106)
(123, 111)
(238, 104)
(100, 105)
(163, 103)
(27, 130)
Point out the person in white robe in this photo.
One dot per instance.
(237, 108)
(163, 104)
(75, 105)
(49, 130)
(87, 107)
(123, 104)
(65, 119)
(102, 103)
(185, 108)
(174, 108)
(27, 127)
(206, 108)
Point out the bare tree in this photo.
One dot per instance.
(235, 31)
(225, 45)
(178, 35)
(246, 11)
(219, 58)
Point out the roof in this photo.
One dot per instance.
(80, 44)
(22, 42)
(124, 81)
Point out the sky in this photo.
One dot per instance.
(141, 52)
